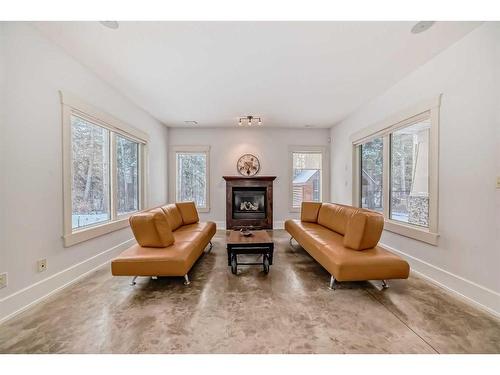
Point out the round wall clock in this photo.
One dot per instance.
(248, 165)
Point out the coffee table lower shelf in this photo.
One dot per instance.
(266, 250)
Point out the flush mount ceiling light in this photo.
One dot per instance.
(191, 122)
(249, 120)
(110, 24)
(421, 26)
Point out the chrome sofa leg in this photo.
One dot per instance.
(186, 279)
(154, 277)
(384, 284)
(211, 246)
(332, 283)
(291, 238)
(133, 281)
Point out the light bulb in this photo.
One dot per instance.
(239, 123)
(249, 121)
(260, 122)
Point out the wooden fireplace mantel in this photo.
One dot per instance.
(248, 182)
(256, 178)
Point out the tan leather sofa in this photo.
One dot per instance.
(170, 239)
(343, 239)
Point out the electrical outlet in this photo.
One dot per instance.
(42, 265)
(3, 280)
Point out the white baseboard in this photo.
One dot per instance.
(21, 300)
(476, 294)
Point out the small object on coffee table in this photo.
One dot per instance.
(260, 243)
(246, 232)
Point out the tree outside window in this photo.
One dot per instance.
(191, 178)
(92, 183)
(90, 173)
(372, 174)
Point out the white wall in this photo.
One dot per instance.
(467, 258)
(31, 164)
(270, 145)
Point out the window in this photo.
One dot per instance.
(90, 163)
(192, 178)
(104, 163)
(127, 175)
(191, 175)
(307, 175)
(371, 174)
(395, 172)
(409, 192)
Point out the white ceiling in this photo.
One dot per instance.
(292, 74)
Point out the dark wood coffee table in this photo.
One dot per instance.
(260, 243)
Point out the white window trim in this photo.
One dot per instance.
(71, 105)
(173, 168)
(384, 129)
(325, 172)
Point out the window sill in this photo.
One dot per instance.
(94, 231)
(412, 232)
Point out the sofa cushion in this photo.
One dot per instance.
(173, 215)
(335, 216)
(309, 211)
(297, 227)
(196, 238)
(195, 232)
(363, 230)
(151, 229)
(197, 227)
(372, 264)
(311, 230)
(188, 212)
(174, 260)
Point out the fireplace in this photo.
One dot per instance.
(249, 202)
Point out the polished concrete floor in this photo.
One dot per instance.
(290, 310)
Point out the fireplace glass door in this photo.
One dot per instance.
(249, 203)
